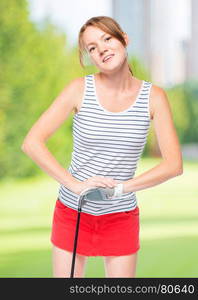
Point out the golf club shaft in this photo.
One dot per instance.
(75, 244)
(80, 202)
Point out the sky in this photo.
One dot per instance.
(69, 14)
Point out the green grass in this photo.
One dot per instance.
(168, 230)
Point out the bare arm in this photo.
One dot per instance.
(171, 164)
(34, 143)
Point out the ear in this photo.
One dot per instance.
(126, 38)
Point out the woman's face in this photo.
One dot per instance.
(99, 45)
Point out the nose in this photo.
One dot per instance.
(102, 53)
(102, 49)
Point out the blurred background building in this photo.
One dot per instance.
(159, 32)
(134, 17)
(192, 44)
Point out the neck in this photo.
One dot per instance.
(118, 80)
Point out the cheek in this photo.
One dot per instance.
(119, 50)
(96, 59)
(121, 55)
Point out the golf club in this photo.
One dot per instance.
(89, 194)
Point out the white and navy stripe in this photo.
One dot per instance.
(107, 144)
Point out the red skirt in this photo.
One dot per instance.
(104, 235)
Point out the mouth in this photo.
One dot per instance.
(107, 58)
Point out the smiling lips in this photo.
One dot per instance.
(107, 58)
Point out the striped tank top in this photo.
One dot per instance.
(107, 144)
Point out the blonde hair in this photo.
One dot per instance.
(106, 24)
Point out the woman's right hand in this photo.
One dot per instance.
(91, 182)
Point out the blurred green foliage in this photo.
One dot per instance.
(184, 104)
(191, 97)
(36, 64)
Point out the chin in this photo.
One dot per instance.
(115, 68)
(111, 67)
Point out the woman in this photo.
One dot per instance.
(113, 110)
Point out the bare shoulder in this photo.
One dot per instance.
(158, 100)
(76, 82)
(56, 114)
(74, 90)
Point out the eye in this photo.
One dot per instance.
(91, 49)
(108, 38)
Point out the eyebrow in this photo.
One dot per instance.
(100, 38)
